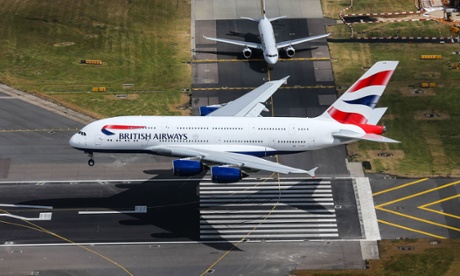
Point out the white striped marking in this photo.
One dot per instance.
(137, 210)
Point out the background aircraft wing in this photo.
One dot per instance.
(228, 158)
(299, 40)
(250, 104)
(236, 42)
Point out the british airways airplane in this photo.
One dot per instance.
(268, 43)
(232, 138)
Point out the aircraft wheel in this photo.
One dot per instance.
(91, 162)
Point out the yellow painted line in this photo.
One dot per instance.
(235, 245)
(251, 88)
(223, 60)
(400, 186)
(38, 130)
(38, 228)
(418, 194)
(255, 59)
(411, 229)
(418, 219)
(424, 207)
(268, 73)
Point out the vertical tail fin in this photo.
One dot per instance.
(357, 104)
(263, 8)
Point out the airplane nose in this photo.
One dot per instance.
(73, 142)
(273, 60)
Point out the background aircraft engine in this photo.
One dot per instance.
(225, 174)
(184, 167)
(247, 53)
(290, 52)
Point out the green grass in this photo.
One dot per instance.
(366, 6)
(140, 42)
(331, 8)
(424, 259)
(430, 146)
(401, 29)
(152, 103)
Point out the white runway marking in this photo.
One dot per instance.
(137, 210)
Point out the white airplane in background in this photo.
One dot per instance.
(231, 139)
(267, 37)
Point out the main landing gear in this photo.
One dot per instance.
(91, 160)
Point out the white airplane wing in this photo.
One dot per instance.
(250, 104)
(229, 158)
(299, 40)
(236, 42)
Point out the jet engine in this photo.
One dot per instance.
(185, 167)
(247, 53)
(290, 51)
(226, 174)
(205, 110)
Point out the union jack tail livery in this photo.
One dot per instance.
(357, 106)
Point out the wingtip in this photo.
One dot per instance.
(312, 172)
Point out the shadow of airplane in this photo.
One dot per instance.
(173, 211)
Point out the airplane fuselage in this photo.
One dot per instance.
(268, 41)
(260, 136)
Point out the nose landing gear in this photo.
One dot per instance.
(91, 160)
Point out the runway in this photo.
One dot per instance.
(168, 210)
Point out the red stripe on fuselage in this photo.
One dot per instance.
(380, 78)
(122, 127)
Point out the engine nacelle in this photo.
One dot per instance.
(205, 110)
(290, 51)
(184, 167)
(247, 53)
(225, 174)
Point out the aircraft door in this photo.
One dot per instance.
(98, 140)
(291, 129)
(164, 128)
(271, 142)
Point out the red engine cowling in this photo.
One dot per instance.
(372, 129)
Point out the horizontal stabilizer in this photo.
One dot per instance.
(250, 18)
(276, 18)
(367, 137)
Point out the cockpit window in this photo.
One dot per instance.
(82, 133)
(275, 55)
